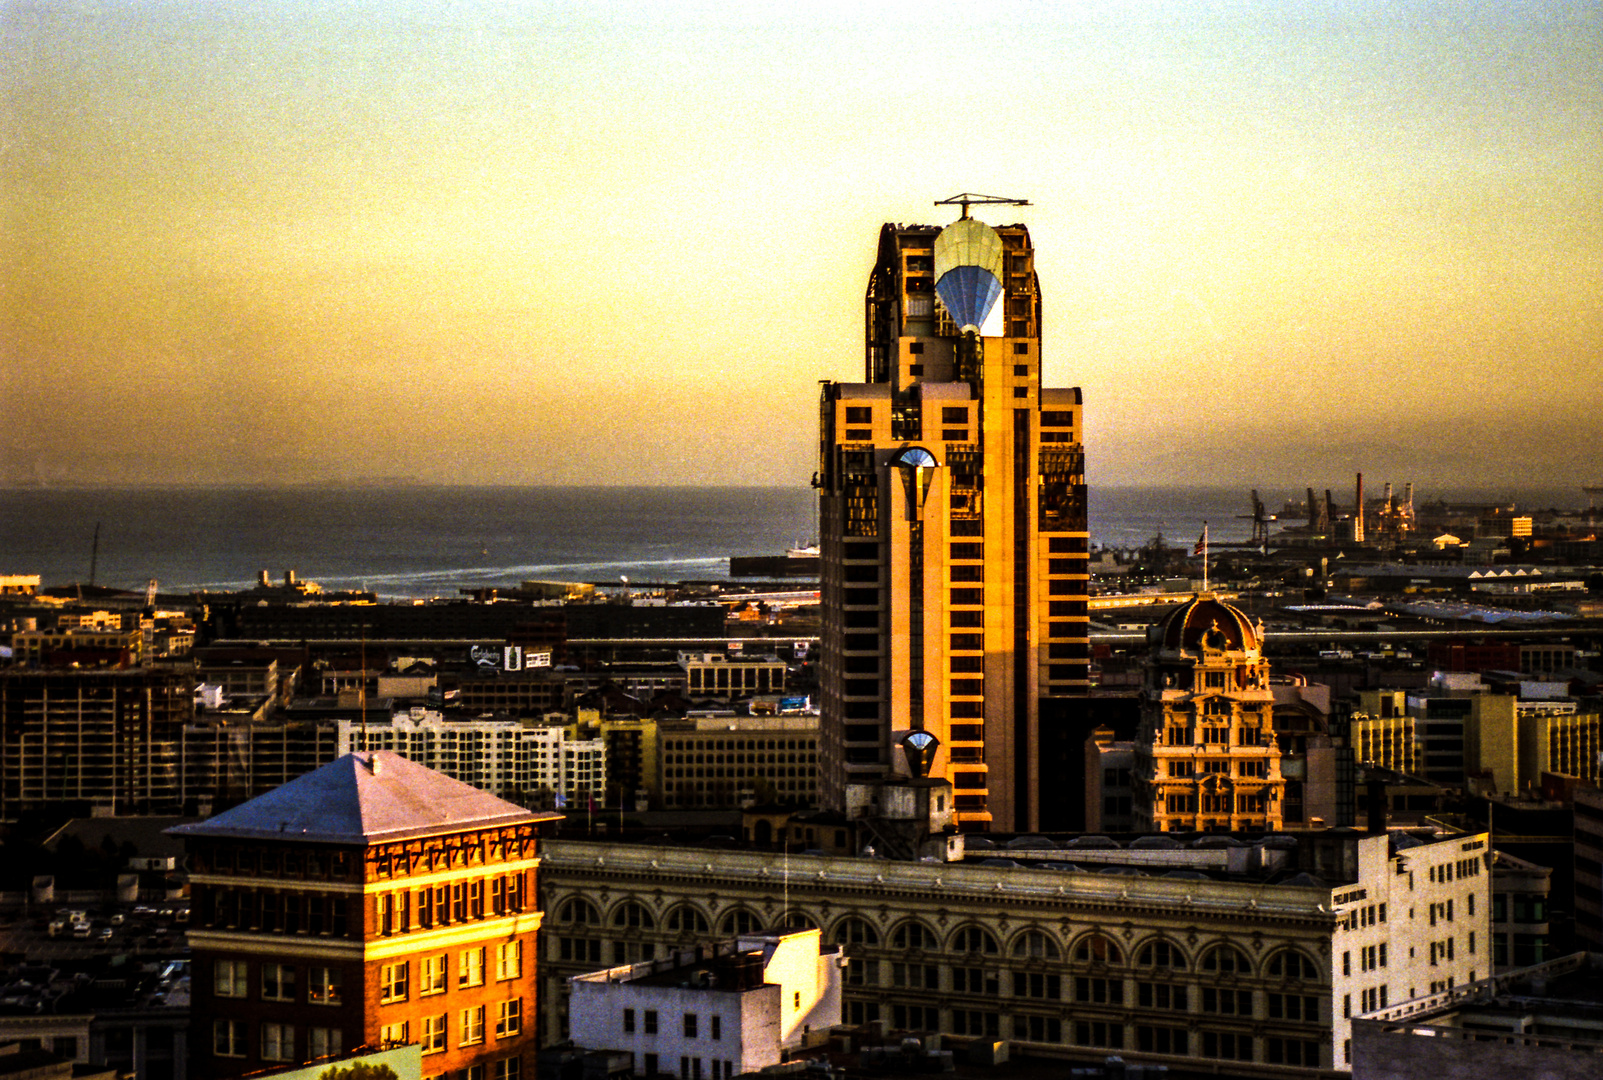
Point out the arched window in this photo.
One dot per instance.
(974, 939)
(579, 911)
(1161, 953)
(855, 931)
(1096, 949)
(738, 921)
(1226, 960)
(1034, 945)
(685, 919)
(634, 915)
(913, 935)
(1291, 964)
(797, 920)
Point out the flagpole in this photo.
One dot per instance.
(1204, 556)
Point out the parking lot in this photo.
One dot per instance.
(144, 930)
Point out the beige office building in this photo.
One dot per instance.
(1386, 741)
(719, 763)
(953, 532)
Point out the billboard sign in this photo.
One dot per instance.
(489, 658)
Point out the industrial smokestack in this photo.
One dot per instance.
(1358, 512)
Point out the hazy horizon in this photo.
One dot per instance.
(538, 243)
(1273, 492)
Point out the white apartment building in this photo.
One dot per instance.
(502, 756)
(712, 1013)
(1417, 922)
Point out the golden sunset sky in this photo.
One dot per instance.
(568, 243)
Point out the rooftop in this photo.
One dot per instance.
(1555, 1004)
(364, 798)
(731, 966)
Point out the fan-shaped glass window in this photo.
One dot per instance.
(1034, 945)
(1163, 954)
(913, 935)
(974, 939)
(1226, 960)
(1291, 964)
(579, 911)
(633, 915)
(738, 921)
(685, 919)
(1096, 949)
(854, 931)
(915, 457)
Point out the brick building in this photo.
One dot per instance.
(373, 902)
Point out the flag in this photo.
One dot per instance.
(1202, 543)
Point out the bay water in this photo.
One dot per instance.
(416, 541)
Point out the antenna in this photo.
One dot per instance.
(969, 198)
(361, 692)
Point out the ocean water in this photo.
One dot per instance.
(429, 541)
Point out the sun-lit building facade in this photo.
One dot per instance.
(372, 902)
(952, 529)
(1206, 754)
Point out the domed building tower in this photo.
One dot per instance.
(1206, 757)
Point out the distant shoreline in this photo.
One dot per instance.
(1526, 496)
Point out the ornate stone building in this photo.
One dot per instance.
(1232, 950)
(1206, 755)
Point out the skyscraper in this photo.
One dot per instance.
(953, 530)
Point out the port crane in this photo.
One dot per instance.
(1260, 519)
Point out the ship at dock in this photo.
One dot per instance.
(800, 561)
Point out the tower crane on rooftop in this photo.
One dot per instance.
(969, 198)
